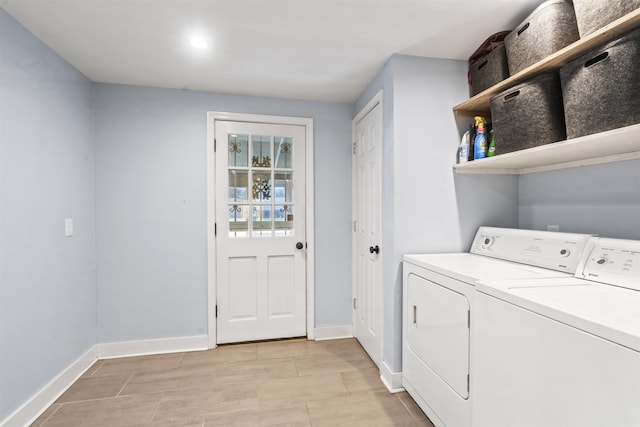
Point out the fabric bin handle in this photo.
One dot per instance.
(598, 58)
(511, 95)
(523, 29)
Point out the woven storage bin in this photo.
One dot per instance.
(491, 69)
(546, 30)
(528, 115)
(595, 14)
(601, 89)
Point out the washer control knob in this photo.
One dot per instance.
(565, 252)
(601, 261)
(487, 241)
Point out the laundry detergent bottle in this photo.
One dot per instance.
(480, 144)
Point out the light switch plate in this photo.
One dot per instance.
(68, 227)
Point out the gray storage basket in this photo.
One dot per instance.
(546, 30)
(528, 115)
(601, 89)
(489, 70)
(595, 14)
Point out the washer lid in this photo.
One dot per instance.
(607, 311)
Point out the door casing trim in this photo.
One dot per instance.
(212, 116)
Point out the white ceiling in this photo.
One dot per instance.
(302, 49)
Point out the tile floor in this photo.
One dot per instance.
(281, 383)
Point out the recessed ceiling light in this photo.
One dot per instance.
(198, 43)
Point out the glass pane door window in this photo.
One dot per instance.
(261, 171)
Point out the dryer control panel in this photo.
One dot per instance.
(546, 249)
(613, 262)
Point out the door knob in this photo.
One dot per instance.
(299, 245)
(374, 249)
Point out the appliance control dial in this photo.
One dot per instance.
(565, 252)
(487, 241)
(602, 261)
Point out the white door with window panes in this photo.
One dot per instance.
(260, 231)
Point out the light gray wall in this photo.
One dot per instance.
(427, 207)
(435, 209)
(151, 207)
(47, 281)
(602, 199)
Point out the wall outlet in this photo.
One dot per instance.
(553, 228)
(68, 227)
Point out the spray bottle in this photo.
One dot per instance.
(480, 144)
(463, 149)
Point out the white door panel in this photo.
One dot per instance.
(367, 232)
(260, 219)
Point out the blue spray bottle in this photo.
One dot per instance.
(481, 143)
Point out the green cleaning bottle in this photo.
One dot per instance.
(480, 145)
(492, 146)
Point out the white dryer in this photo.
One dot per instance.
(561, 352)
(438, 292)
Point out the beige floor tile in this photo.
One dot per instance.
(300, 389)
(365, 380)
(290, 349)
(260, 369)
(367, 408)
(347, 345)
(94, 388)
(411, 405)
(234, 397)
(139, 364)
(195, 377)
(119, 411)
(45, 415)
(89, 372)
(225, 353)
(183, 422)
(292, 416)
(424, 422)
(319, 365)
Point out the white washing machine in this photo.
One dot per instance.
(438, 292)
(561, 352)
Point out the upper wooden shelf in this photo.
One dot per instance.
(479, 104)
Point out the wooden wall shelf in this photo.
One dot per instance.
(605, 147)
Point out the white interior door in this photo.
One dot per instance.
(260, 231)
(367, 231)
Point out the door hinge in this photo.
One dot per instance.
(216, 311)
(354, 147)
(415, 315)
(468, 381)
(468, 319)
(215, 142)
(354, 303)
(355, 226)
(215, 228)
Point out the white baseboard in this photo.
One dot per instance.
(157, 346)
(27, 413)
(333, 332)
(392, 380)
